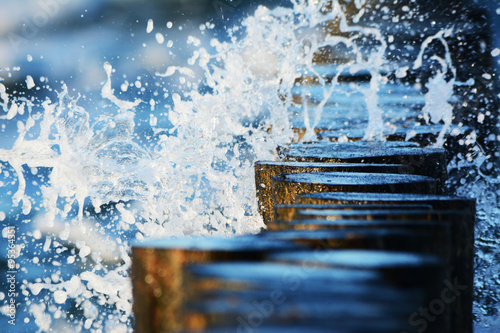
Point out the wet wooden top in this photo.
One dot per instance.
(445, 215)
(353, 223)
(345, 167)
(443, 202)
(358, 150)
(382, 197)
(237, 243)
(361, 259)
(291, 235)
(326, 165)
(352, 178)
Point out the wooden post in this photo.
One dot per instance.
(287, 187)
(439, 202)
(287, 212)
(158, 274)
(462, 245)
(296, 297)
(265, 170)
(417, 239)
(423, 161)
(438, 233)
(404, 270)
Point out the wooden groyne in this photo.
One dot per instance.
(352, 244)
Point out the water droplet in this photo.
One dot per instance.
(150, 26)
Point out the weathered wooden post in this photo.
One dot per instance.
(403, 270)
(437, 233)
(439, 202)
(461, 224)
(315, 294)
(418, 240)
(266, 170)
(287, 187)
(158, 275)
(423, 161)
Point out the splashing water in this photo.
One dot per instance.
(437, 106)
(86, 187)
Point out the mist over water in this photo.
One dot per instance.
(172, 154)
